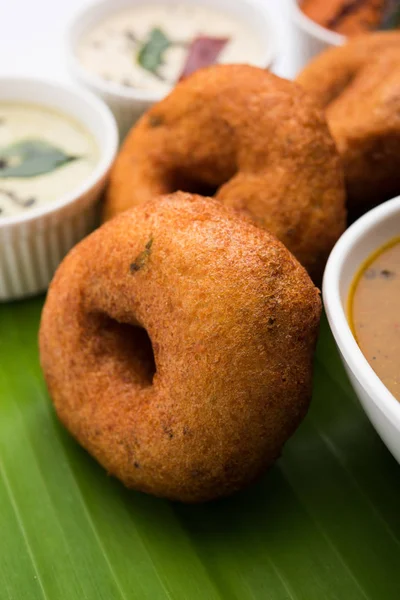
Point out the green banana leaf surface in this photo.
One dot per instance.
(323, 523)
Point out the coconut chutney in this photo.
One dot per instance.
(44, 154)
(147, 47)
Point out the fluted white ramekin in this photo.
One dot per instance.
(308, 38)
(32, 244)
(129, 104)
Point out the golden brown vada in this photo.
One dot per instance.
(358, 85)
(253, 140)
(348, 17)
(177, 344)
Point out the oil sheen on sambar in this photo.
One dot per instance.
(375, 313)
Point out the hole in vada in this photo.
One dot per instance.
(128, 346)
(182, 182)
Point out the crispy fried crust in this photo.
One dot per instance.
(347, 18)
(358, 84)
(254, 139)
(232, 318)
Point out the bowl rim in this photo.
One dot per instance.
(314, 29)
(120, 92)
(336, 313)
(107, 150)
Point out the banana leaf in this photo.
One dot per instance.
(323, 523)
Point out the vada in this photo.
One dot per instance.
(358, 85)
(254, 141)
(346, 17)
(177, 344)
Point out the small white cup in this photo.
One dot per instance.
(32, 244)
(309, 38)
(356, 245)
(128, 104)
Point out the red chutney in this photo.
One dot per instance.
(374, 307)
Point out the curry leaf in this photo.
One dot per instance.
(141, 260)
(30, 158)
(150, 55)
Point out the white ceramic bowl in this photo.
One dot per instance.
(366, 235)
(32, 244)
(308, 38)
(129, 104)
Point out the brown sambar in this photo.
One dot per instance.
(374, 308)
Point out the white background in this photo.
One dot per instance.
(32, 36)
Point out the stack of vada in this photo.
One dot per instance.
(358, 85)
(177, 340)
(254, 141)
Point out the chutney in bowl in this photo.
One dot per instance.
(374, 313)
(358, 245)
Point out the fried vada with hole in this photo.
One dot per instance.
(177, 344)
(359, 87)
(254, 141)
